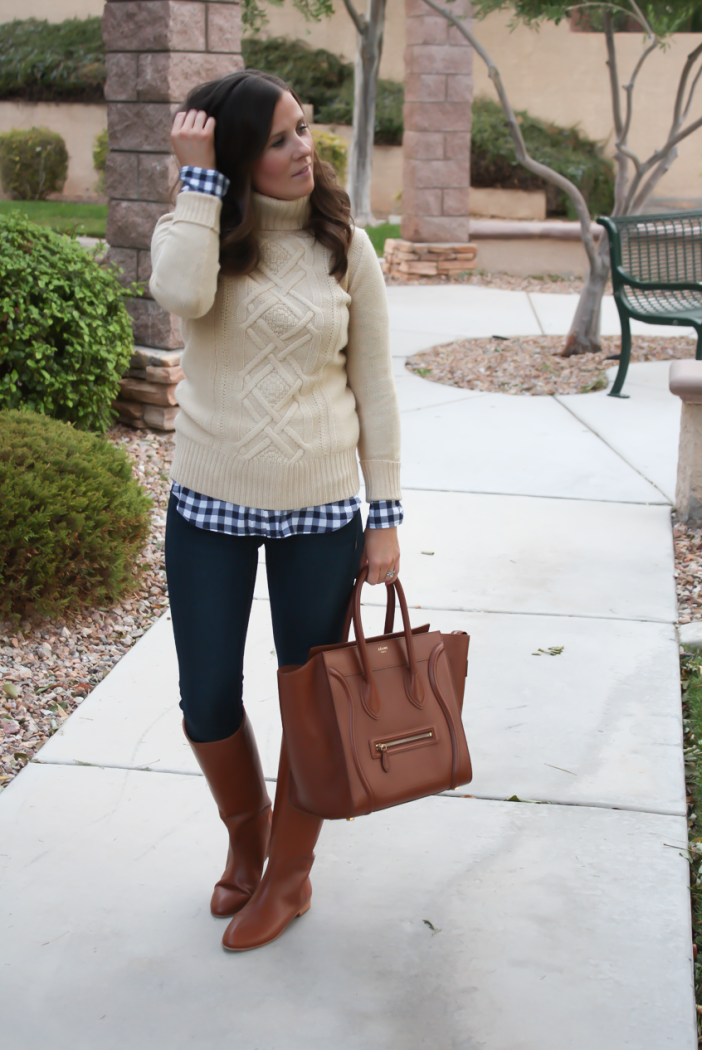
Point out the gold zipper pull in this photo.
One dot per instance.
(384, 756)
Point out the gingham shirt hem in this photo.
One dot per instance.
(234, 520)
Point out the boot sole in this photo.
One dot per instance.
(252, 947)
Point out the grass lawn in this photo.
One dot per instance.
(86, 220)
(691, 676)
(379, 234)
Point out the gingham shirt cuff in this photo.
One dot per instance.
(203, 180)
(385, 514)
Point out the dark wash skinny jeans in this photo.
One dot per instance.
(211, 580)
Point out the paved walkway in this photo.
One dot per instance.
(531, 523)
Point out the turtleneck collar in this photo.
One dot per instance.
(274, 214)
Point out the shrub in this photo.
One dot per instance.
(52, 61)
(65, 335)
(317, 75)
(332, 149)
(100, 148)
(494, 162)
(389, 119)
(72, 518)
(33, 163)
(326, 82)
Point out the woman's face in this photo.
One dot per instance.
(284, 169)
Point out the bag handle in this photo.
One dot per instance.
(370, 697)
(389, 614)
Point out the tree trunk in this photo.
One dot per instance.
(369, 46)
(584, 334)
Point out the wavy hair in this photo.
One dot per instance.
(242, 105)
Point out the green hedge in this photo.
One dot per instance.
(72, 518)
(326, 82)
(65, 61)
(55, 62)
(52, 61)
(494, 162)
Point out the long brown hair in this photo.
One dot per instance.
(242, 105)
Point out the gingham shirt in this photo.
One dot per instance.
(230, 518)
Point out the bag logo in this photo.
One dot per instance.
(382, 648)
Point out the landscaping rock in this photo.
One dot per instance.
(428, 259)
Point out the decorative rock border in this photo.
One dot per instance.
(428, 259)
(148, 397)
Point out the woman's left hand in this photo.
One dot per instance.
(381, 553)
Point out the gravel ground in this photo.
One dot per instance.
(550, 282)
(532, 364)
(48, 666)
(688, 571)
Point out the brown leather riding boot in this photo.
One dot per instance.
(285, 890)
(233, 771)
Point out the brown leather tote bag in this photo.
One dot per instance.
(376, 722)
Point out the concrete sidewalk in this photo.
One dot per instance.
(531, 523)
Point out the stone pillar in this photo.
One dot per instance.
(436, 143)
(685, 380)
(157, 50)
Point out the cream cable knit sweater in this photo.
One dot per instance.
(288, 370)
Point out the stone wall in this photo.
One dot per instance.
(436, 144)
(157, 50)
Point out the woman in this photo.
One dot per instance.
(288, 373)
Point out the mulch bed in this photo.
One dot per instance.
(688, 571)
(533, 365)
(48, 666)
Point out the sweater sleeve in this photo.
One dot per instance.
(369, 370)
(185, 256)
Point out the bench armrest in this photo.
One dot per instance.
(658, 286)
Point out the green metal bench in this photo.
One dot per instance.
(656, 275)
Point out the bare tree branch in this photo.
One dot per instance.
(693, 88)
(629, 88)
(613, 76)
(678, 116)
(653, 180)
(357, 19)
(673, 141)
(655, 158)
(638, 13)
(621, 158)
(518, 139)
(631, 155)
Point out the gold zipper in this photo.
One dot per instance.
(383, 748)
(404, 740)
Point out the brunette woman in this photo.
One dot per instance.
(288, 376)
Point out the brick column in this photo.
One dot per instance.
(436, 144)
(157, 50)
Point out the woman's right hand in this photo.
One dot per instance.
(192, 138)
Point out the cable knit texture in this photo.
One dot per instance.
(288, 370)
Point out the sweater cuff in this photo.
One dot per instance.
(382, 478)
(202, 209)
